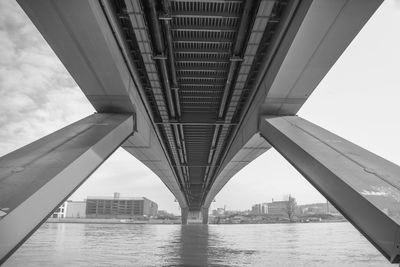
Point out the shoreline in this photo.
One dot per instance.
(110, 221)
(165, 222)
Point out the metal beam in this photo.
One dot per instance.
(201, 39)
(204, 67)
(202, 59)
(219, 81)
(213, 1)
(364, 187)
(212, 75)
(214, 154)
(224, 41)
(37, 178)
(202, 50)
(237, 50)
(219, 15)
(167, 31)
(202, 85)
(204, 28)
(194, 123)
(160, 48)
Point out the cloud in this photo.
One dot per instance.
(38, 96)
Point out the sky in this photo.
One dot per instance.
(358, 100)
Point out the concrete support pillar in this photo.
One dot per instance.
(364, 187)
(204, 215)
(37, 178)
(184, 215)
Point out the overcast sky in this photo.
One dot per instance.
(359, 100)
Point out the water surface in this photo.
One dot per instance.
(314, 244)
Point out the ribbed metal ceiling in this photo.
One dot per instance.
(197, 61)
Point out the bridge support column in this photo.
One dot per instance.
(364, 187)
(194, 216)
(204, 215)
(37, 178)
(184, 215)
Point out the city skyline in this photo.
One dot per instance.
(34, 87)
(118, 196)
(121, 196)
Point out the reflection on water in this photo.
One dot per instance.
(193, 246)
(319, 244)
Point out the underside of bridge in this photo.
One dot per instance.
(197, 89)
(197, 61)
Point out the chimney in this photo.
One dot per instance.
(116, 195)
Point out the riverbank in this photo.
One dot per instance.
(166, 221)
(112, 221)
(280, 222)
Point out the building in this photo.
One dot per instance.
(75, 209)
(256, 209)
(259, 209)
(232, 212)
(60, 212)
(274, 208)
(162, 214)
(218, 212)
(116, 207)
(278, 208)
(318, 208)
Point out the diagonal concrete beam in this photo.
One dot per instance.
(37, 178)
(364, 187)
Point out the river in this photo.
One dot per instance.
(312, 244)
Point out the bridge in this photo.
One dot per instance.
(197, 89)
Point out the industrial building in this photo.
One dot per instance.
(318, 208)
(274, 208)
(75, 209)
(116, 207)
(258, 209)
(278, 208)
(218, 212)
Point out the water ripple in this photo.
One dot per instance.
(319, 244)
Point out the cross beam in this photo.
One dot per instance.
(364, 187)
(37, 178)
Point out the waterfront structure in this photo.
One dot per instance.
(60, 212)
(274, 208)
(162, 214)
(218, 212)
(255, 209)
(196, 90)
(318, 208)
(116, 207)
(278, 208)
(75, 209)
(259, 209)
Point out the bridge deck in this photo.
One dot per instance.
(197, 61)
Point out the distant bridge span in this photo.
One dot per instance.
(196, 90)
